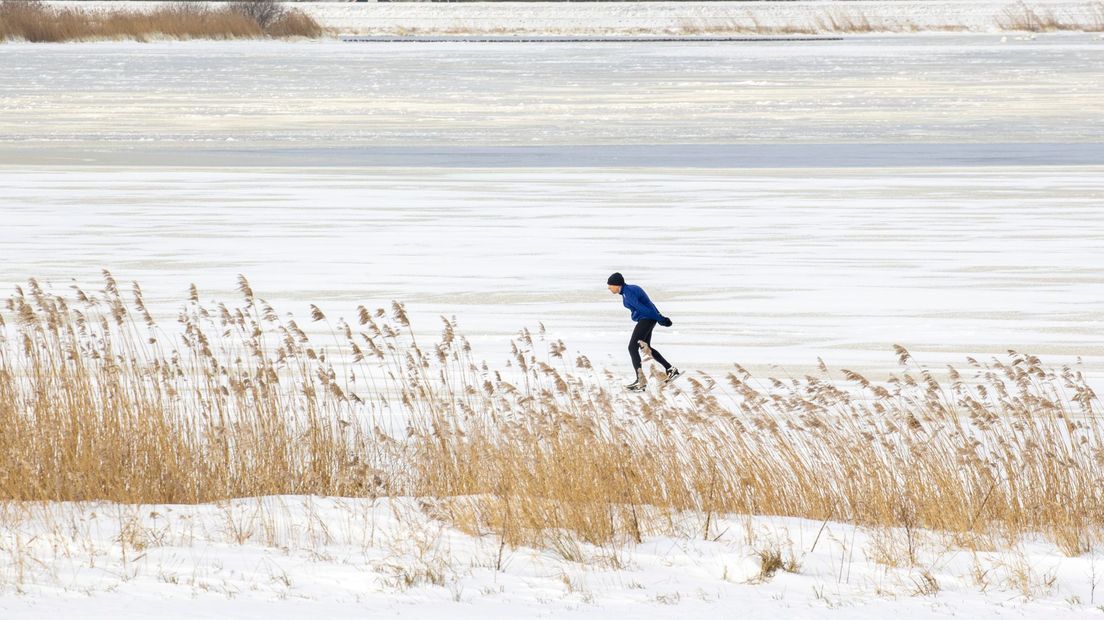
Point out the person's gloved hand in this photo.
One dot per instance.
(666, 322)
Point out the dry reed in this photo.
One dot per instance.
(1018, 17)
(36, 21)
(1021, 17)
(98, 402)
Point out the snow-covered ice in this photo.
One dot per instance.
(332, 103)
(780, 202)
(756, 267)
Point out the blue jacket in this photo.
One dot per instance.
(636, 300)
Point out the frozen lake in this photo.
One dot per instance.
(780, 202)
(327, 102)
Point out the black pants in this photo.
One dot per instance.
(643, 331)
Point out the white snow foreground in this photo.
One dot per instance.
(284, 557)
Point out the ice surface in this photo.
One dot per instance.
(781, 202)
(756, 267)
(181, 103)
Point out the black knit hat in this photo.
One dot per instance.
(616, 279)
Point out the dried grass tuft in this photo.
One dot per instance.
(1021, 17)
(36, 21)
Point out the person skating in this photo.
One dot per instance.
(647, 316)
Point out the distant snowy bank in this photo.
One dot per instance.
(688, 18)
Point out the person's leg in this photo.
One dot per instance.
(659, 358)
(640, 332)
(647, 337)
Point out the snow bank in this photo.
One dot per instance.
(285, 557)
(623, 18)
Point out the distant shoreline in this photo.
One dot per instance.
(680, 19)
(666, 156)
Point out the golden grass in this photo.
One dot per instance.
(35, 21)
(1018, 17)
(848, 21)
(1090, 18)
(98, 402)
